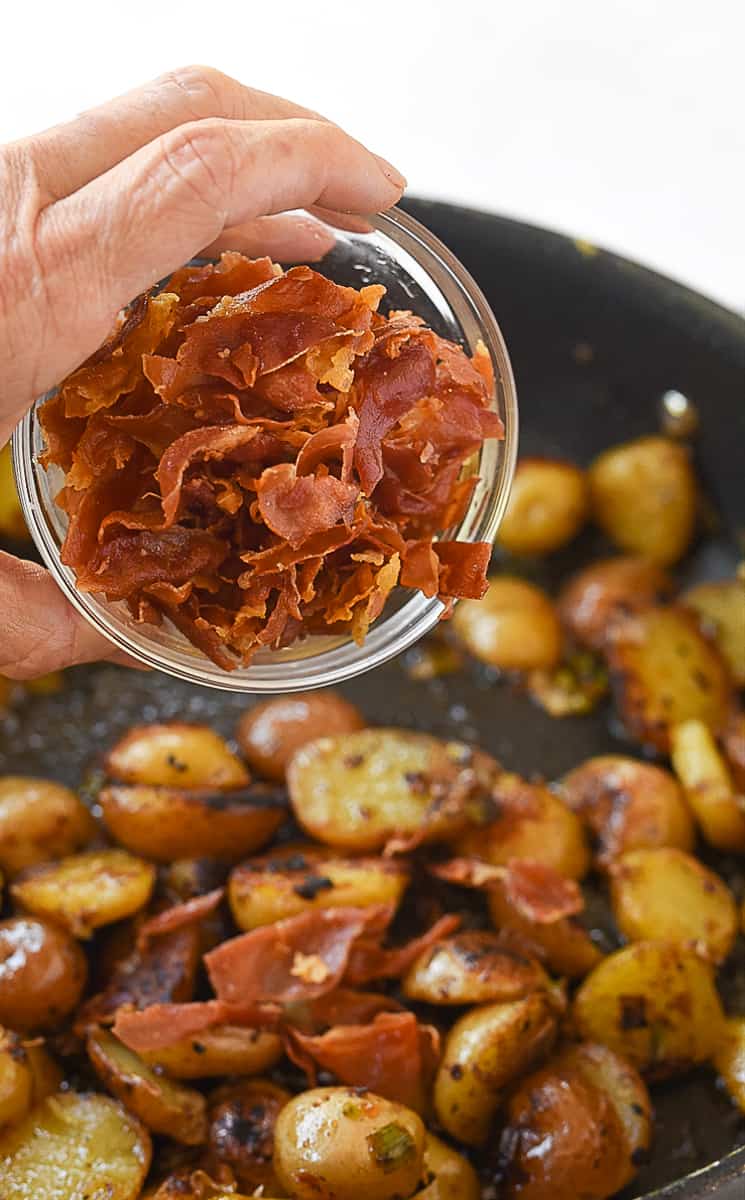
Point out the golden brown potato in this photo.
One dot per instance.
(708, 786)
(175, 755)
(484, 1053)
(515, 627)
(623, 1086)
(164, 823)
(549, 504)
(451, 1175)
(564, 945)
(729, 1060)
(16, 1080)
(270, 733)
(733, 744)
(46, 1075)
(12, 523)
(242, 1121)
(572, 689)
(664, 671)
(297, 877)
(666, 894)
(532, 823)
(593, 600)
(222, 1050)
(42, 974)
(643, 495)
(360, 790)
(162, 1105)
(656, 1004)
(85, 891)
(721, 606)
(341, 1145)
(627, 805)
(472, 967)
(39, 820)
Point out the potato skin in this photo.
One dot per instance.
(643, 495)
(242, 1121)
(654, 1003)
(332, 1142)
(42, 974)
(175, 755)
(733, 744)
(564, 945)
(729, 1060)
(627, 805)
(454, 1177)
(472, 967)
(222, 1050)
(720, 604)
(599, 594)
(16, 1080)
(84, 891)
(39, 820)
(164, 823)
(708, 785)
(549, 504)
(110, 1148)
(12, 523)
(515, 627)
(624, 1087)
(270, 733)
(484, 1053)
(666, 894)
(664, 671)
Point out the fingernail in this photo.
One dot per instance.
(395, 177)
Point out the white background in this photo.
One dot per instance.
(620, 121)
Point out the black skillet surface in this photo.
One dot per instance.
(595, 340)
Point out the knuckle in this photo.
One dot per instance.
(199, 157)
(205, 89)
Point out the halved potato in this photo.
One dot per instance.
(486, 1051)
(514, 627)
(643, 495)
(222, 1050)
(664, 671)
(549, 504)
(162, 1105)
(242, 1120)
(46, 1074)
(721, 605)
(270, 733)
(656, 1004)
(708, 785)
(666, 894)
(176, 755)
(623, 1086)
(729, 1059)
(564, 945)
(627, 805)
(594, 599)
(450, 1175)
(362, 790)
(297, 877)
(16, 1080)
(84, 891)
(472, 967)
(531, 823)
(165, 823)
(39, 820)
(75, 1147)
(42, 974)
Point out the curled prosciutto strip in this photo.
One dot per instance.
(258, 455)
(538, 892)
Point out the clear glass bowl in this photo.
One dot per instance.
(419, 273)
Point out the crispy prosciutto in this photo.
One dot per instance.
(258, 455)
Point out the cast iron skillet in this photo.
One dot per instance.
(595, 340)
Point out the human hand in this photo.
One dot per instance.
(95, 211)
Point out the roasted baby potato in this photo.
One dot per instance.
(733, 744)
(270, 733)
(46, 1075)
(532, 823)
(484, 1053)
(175, 755)
(164, 823)
(85, 891)
(39, 821)
(343, 1145)
(361, 790)
(472, 967)
(656, 1004)
(721, 606)
(16, 1080)
(450, 1175)
(222, 1050)
(242, 1121)
(643, 495)
(515, 626)
(74, 1147)
(549, 504)
(667, 894)
(162, 1105)
(664, 671)
(572, 689)
(42, 974)
(593, 600)
(627, 805)
(563, 945)
(729, 1059)
(297, 877)
(708, 785)
(12, 523)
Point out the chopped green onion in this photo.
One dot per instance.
(391, 1146)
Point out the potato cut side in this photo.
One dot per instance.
(721, 605)
(84, 891)
(709, 787)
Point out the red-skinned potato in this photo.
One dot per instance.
(270, 733)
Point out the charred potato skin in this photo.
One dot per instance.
(472, 968)
(600, 594)
(175, 755)
(269, 734)
(42, 974)
(87, 890)
(515, 627)
(242, 1121)
(720, 606)
(39, 820)
(548, 505)
(708, 785)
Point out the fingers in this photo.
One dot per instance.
(71, 155)
(348, 221)
(285, 238)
